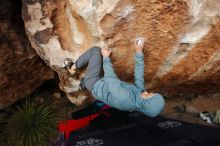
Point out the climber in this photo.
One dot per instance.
(101, 80)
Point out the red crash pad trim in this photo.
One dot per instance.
(72, 125)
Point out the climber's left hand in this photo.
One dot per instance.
(106, 52)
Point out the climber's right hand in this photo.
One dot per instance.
(106, 52)
(139, 44)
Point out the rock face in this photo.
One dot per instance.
(21, 69)
(182, 50)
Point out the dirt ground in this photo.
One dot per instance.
(208, 103)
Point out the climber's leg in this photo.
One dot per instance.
(85, 57)
(94, 70)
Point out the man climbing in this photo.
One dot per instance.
(101, 80)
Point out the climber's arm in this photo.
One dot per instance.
(107, 65)
(139, 71)
(108, 69)
(139, 64)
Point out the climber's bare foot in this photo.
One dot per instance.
(72, 70)
(70, 65)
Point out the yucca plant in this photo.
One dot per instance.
(30, 125)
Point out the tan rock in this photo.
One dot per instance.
(21, 69)
(181, 51)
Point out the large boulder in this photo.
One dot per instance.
(21, 69)
(182, 50)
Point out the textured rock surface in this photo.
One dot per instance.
(182, 51)
(21, 69)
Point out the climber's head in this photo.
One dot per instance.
(151, 104)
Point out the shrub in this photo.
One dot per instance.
(30, 124)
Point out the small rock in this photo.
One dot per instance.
(180, 108)
(41, 100)
(57, 95)
(191, 109)
(216, 96)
